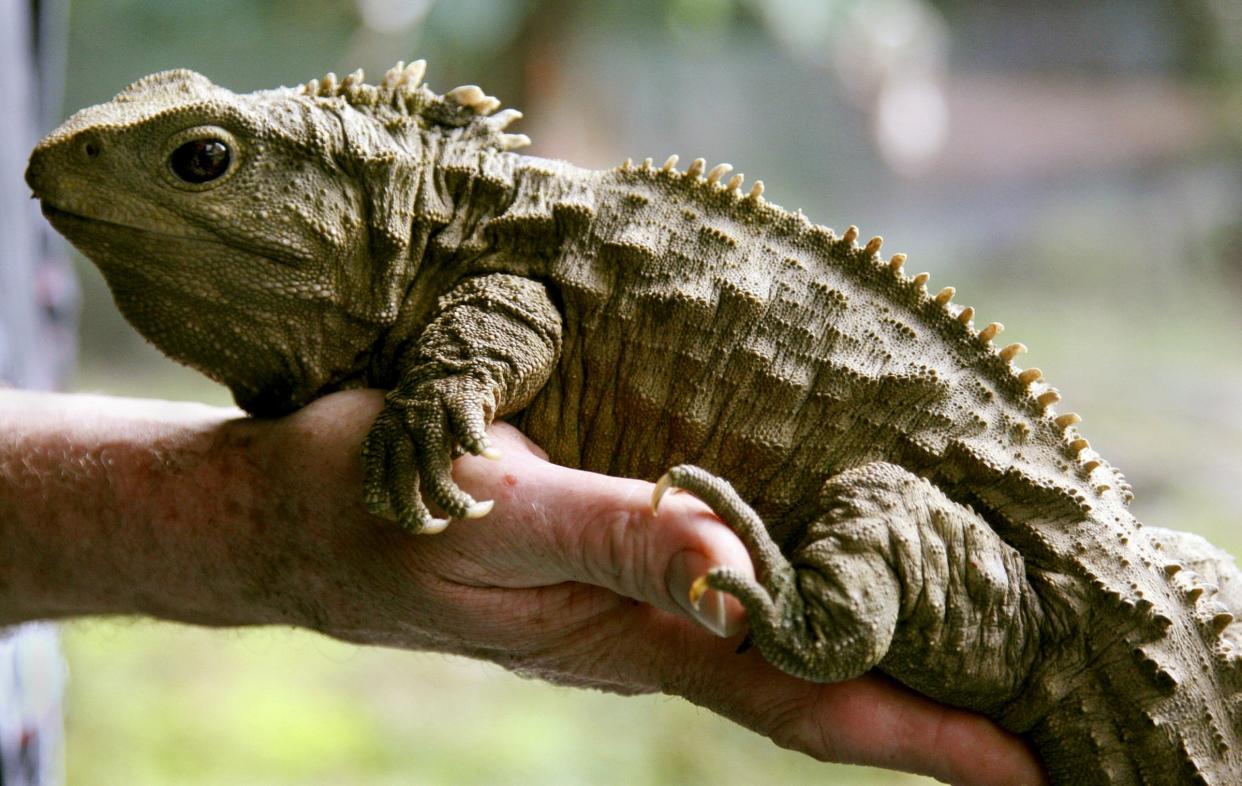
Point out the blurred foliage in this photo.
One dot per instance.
(154, 705)
(1121, 271)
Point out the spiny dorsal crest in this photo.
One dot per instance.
(1031, 379)
(713, 179)
(401, 91)
(1042, 396)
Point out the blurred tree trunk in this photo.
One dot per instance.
(530, 66)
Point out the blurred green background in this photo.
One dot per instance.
(1072, 168)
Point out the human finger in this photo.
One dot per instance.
(869, 720)
(553, 524)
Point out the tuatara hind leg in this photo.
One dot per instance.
(890, 573)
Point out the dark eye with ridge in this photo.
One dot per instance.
(200, 160)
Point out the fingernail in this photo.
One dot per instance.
(713, 608)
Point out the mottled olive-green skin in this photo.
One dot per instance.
(911, 499)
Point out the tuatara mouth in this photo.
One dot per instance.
(70, 221)
(53, 213)
(74, 226)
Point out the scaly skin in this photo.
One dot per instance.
(911, 500)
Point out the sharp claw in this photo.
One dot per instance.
(697, 589)
(434, 526)
(480, 509)
(492, 453)
(662, 485)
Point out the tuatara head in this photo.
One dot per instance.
(261, 238)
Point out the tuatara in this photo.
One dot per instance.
(911, 499)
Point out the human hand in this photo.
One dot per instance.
(572, 579)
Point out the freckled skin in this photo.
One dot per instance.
(911, 499)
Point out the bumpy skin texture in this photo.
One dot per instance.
(912, 501)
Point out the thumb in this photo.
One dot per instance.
(558, 524)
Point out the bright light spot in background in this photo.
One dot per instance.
(805, 27)
(392, 16)
(911, 123)
(889, 58)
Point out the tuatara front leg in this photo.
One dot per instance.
(489, 349)
(889, 573)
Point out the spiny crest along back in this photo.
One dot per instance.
(401, 92)
(399, 97)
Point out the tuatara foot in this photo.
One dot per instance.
(882, 545)
(410, 448)
(796, 630)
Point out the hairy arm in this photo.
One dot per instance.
(190, 513)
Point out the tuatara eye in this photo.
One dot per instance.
(200, 160)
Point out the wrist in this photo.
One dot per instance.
(323, 562)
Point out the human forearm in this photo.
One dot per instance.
(188, 513)
(116, 506)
